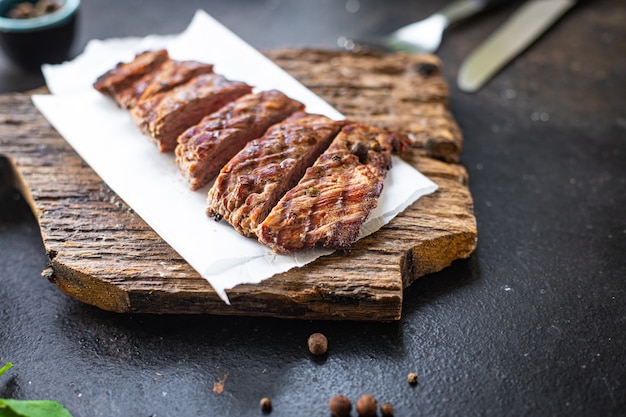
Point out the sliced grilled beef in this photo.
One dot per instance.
(124, 75)
(256, 178)
(335, 196)
(166, 115)
(205, 148)
(167, 76)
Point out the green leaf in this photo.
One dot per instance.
(5, 368)
(27, 408)
(30, 408)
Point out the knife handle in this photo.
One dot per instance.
(462, 9)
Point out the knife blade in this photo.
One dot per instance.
(526, 25)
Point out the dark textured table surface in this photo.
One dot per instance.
(532, 324)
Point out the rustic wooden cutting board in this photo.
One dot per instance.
(103, 254)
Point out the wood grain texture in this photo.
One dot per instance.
(103, 254)
(402, 92)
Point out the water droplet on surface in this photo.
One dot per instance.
(345, 43)
(509, 93)
(539, 116)
(353, 6)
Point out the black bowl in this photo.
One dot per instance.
(39, 40)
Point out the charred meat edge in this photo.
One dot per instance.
(166, 115)
(334, 198)
(253, 181)
(163, 78)
(124, 75)
(205, 148)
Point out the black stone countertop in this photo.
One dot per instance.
(533, 324)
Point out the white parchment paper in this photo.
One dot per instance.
(150, 182)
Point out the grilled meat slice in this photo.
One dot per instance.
(335, 196)
(167, 76)
(166, 115)
(253, 181)
(124, 75)
(205, 148)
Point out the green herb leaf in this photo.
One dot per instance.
(29, 408)
(5, 368)
(37, 408)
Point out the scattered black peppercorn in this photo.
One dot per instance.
(21, 11)
(29, 10)
(266, 404)
(386, 410)
(366, 406)
(318, 344)
(340, 406)
(360, 150)
(426, 69)
(412, 378)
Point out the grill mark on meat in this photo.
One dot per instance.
(166, 115)
(124, 75)
(329, 205)
(206, 147)
(252, 182)
(167, 76)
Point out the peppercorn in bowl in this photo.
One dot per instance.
(35, 32)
